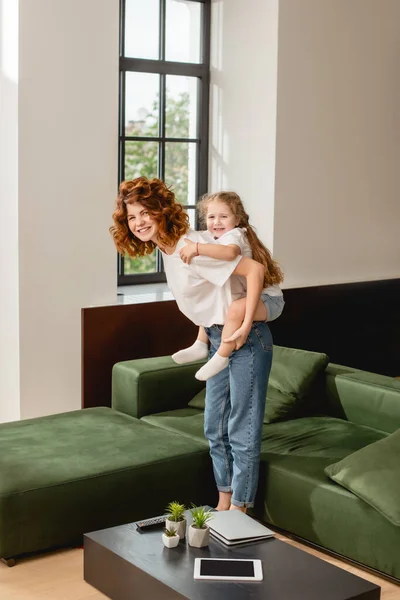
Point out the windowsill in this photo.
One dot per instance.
(146, 292)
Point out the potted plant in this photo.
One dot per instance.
(176, 518)
(199, 531)
(170, 538)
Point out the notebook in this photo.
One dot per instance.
(232, 527)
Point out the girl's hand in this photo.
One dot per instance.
(189, 251)
(240, 336)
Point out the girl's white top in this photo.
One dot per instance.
(202, 289)
(238, 237)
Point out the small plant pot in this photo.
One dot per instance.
(198, 538)
(170, 542)
(178, 526)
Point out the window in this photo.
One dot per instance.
(164, 104)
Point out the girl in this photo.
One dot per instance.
(228, 224)
(147, 216)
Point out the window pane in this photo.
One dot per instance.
(141, 159)
(180, 170)
(141, 29)
(141, 104)
(192, 217)
(183, 28)
(144, 264)
(181, 107)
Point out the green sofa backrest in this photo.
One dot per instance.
(364, 398)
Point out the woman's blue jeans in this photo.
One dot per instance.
(234, 413)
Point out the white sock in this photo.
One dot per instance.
(196, 351)
(215, 365)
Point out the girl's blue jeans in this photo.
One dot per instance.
(233, 419)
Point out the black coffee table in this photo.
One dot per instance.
(125, 565)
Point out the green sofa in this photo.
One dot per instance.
(344, 411)
(70, 473)
(66, 474)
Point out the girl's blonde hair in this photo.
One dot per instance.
(273, 273)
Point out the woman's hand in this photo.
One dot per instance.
(240, 336)
(189, 251)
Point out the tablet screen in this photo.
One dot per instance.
(227, 568)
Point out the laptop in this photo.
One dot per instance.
(233, 527)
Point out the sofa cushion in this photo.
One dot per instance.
(199, 401)
(292, 374)
(70, 473)
(324, 438)
(188, 422)
(373, 474)
(362, 397)
(295, 495)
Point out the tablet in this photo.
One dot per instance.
(228, 569)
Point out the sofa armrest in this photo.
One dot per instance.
(151, 385)
(364, 398)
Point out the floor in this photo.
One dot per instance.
(58, 576)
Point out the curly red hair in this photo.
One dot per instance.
(160, 201)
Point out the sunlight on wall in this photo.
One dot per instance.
(9, 39)
(9, 255)
(243, 106)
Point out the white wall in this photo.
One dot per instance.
(68, 114)
(335, 165)
(337, 209)
(9, 304)
(244, 46)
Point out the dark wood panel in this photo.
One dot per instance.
(114, 333)
(356, 324)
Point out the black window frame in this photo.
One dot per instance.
(163, 68)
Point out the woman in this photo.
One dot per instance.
(147, 216)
